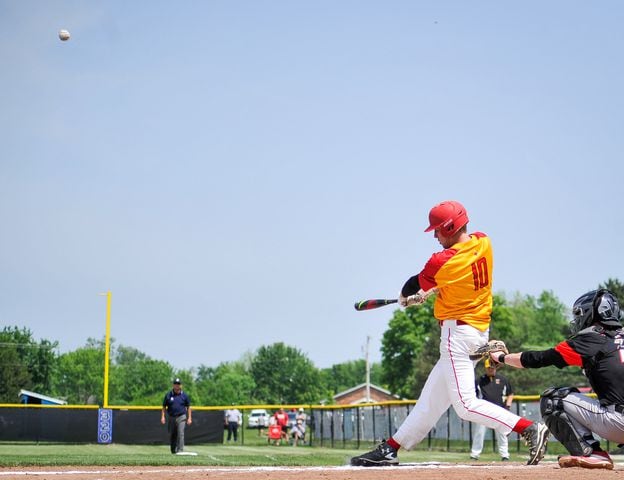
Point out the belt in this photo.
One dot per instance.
(619, 408)
(457, 322)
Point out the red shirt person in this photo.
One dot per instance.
(281, 419)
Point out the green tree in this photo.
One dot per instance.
(137, 379)
(615, 286)
(403, 342)
(410, 346)
(42, 362)
(503, 325)
(425, 361)
(25, 363)
(551, 322)
(13, 374)
(80, 376)
(285, 375)
(228, 383)
(541, 323)
(342, 376)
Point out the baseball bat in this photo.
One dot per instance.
(375, 303)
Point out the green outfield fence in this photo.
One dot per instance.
(335, 426)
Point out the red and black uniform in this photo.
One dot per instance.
(599, 352)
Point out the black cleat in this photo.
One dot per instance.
(536, 438)
(383, 455)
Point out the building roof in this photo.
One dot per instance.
(43, 398)
(362, 386)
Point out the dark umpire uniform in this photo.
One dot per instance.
(597, 346)
(178, 407)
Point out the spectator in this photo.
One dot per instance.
(281, 419)
(232, 420)
(298, 430)
(177, 405)
(301, 416)
(496, 389)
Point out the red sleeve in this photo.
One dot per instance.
(569, 355)
(426, 278)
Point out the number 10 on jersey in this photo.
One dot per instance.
(480, 273)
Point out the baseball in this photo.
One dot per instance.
(64, 35)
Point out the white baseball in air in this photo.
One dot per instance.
(64, 35)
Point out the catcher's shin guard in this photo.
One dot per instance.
(558, 422)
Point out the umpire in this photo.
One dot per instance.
(178, 407)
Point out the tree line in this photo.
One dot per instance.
(279, 373)
(274, 374)
(410, 345)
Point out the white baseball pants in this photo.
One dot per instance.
(452, 383)
(478, 436)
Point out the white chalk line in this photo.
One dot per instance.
(413, 466)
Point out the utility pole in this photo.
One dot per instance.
(368, 397)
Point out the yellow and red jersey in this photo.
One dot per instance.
(463, 276)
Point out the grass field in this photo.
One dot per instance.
(29, 454)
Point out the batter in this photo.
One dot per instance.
(462, 276)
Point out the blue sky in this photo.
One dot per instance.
(241, 172)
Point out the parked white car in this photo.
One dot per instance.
(258, 418)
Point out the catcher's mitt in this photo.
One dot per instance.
(492, 346)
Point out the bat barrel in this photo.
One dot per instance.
(375, 303)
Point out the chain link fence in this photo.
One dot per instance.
(352, 426)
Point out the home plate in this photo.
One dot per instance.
(186, 453)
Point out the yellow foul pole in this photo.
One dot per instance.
(107, 347)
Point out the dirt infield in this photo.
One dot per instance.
(434, 471)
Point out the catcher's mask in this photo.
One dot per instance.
(596, 306)
(447, 217)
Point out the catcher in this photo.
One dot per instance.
(596, 345)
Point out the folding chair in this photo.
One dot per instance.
(275, 434)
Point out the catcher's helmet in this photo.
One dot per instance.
(596, 306)
(447, 217)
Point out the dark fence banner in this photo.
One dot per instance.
(67, 425)
(144, 427)
(48, 425)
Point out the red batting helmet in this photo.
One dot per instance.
(448, 217)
